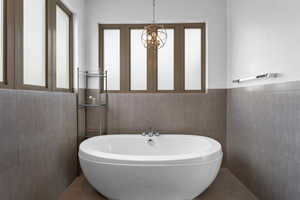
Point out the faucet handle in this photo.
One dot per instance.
(151, 134)
(146, 132)
(157, 133)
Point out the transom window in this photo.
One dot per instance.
(64, 48)
(2, 39)
(36, 45)
(177, 67)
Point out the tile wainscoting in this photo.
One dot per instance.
(263, 139)
(38, 144)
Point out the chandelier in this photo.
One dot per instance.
(154, 35)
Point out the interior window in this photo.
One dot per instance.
(192, 59)
(112, 58)
(138, 61)
(179, 66)
(1, 40)
(62, 49)
(165, 64)
(34, 42)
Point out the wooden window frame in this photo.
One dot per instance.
(4, 47)
(148, 61)
(202, 26)
(67, 11)
(179, 56)
(176, 78)
(13, 46)
(122, 54)
(8, 45)
(19, 46)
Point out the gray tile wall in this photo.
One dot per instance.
(81, 113)
(263, 139)
(37, 145)
(201, 114)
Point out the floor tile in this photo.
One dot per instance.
(226, 187)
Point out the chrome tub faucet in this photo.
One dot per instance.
(151, 132)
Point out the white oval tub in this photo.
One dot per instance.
(174, 167)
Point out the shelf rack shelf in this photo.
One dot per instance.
(91, 105)
(101, 104)
(93, 74)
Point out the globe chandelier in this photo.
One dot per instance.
(154, 35)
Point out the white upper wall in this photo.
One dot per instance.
(78, 9)
(263, 36)
(213, 12)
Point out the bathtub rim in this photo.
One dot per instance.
(157, 164)
(191, 158)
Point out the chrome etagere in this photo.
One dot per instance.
(99, 102)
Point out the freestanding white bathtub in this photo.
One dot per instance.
(171, 167)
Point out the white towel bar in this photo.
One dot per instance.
(261, 76)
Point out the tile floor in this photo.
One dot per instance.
(226, 187)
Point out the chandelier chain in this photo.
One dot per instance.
(154, 11)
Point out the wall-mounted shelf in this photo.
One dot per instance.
(93, 74)
(257, 77)
(92, 105)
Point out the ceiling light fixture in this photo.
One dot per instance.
(154, 35)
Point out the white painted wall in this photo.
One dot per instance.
(263, 36)
(168, 11)
(78, 9)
